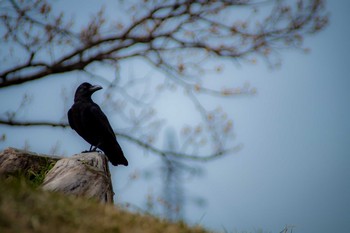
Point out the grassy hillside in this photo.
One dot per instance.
(24, 209)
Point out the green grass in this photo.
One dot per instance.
(26, 209)
(35, 172)
(36, 176)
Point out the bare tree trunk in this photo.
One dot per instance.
(85, 174)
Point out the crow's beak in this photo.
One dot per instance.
(95, 88)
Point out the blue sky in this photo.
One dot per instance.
(294, 166)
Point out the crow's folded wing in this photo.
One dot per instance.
(70, 119)
(97, 122)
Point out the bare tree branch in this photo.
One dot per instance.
(144, 145)
(32, 123)
(170, 26)
(175, 38)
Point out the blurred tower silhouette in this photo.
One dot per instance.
(173, 194)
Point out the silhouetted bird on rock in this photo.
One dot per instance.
(88, 120)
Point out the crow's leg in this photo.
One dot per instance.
(90, 150)
(95, 148)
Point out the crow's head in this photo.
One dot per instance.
(85, 90)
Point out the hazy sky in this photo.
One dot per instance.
(294, 166)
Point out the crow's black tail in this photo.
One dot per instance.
(114, 153)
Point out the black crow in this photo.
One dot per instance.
(88, 120)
